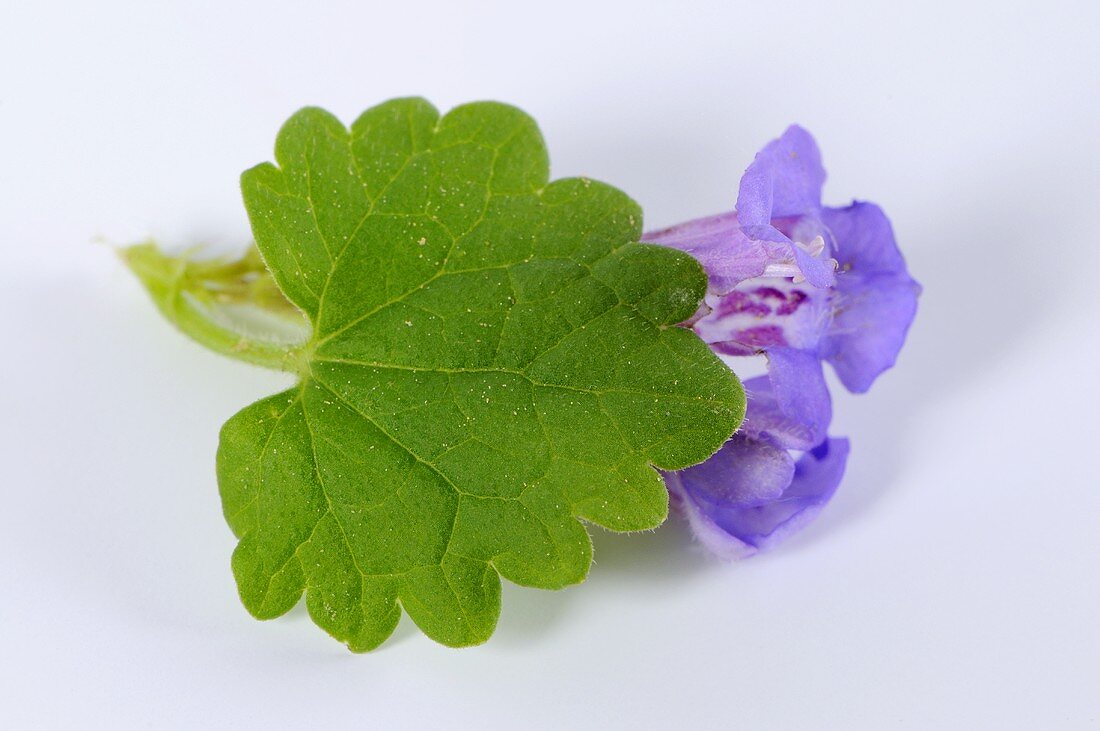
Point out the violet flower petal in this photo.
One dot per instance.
(785, 179)
(791, 405)
(783, 183)
(743, 472)
(864, 238)
(816, 478)
(818, 270)
(875, 299)
(717, 242)
(732, 512)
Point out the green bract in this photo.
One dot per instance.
(491, 359)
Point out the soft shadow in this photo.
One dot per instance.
(530, 616)
(666, 557)
(668, 553)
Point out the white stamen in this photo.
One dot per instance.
(814, 248)
(789, 268)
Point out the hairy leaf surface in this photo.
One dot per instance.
(493, 360)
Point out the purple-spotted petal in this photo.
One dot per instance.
(791, 405)
(785, 179)
(763, 314)
(875, 299)
(717, 242)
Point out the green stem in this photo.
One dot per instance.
(197, 297)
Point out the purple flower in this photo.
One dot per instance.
(780, 189)
(753, 492)
(751, 495)
(800, 284)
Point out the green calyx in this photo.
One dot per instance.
(231, 306)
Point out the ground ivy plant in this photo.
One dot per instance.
(485, 360)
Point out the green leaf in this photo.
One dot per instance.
(493, 360)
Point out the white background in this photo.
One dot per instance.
(952, 583)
